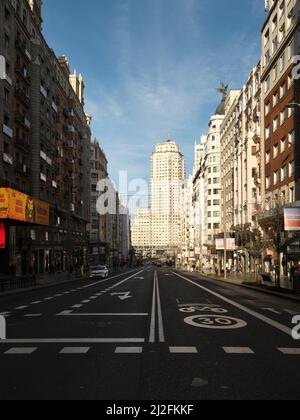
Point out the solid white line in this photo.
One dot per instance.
(20, 351)
(69, 313)
(109, 278)
(32, 315)
(238, 350)
(129, 350)
(71, 340)
(290, 352)
(159, 311)
(183, 350)
(251, 312)
(153, 314)
(75, 350)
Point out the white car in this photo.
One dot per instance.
(99, 272)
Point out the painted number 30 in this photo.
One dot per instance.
(215, 322)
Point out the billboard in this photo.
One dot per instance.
(15, 205)
(292, 219)
(230, 244)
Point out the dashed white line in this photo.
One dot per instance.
(129, 350)
(238, 350)
(290, 352)
(20, 308)
(75, 350)
(183, 350)
(21, 351)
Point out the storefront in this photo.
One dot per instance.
(19, 210)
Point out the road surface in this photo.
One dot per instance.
(146, 334)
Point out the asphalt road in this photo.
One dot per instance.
(148, 335)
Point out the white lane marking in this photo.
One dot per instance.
(153, 314)
(20, 350)
(77, 306)
(290, 352)
(251, 312)
(272, 310)
(85, 302)
(36, 303)
(72, 340)
(5, 313)
(198, 383)
(49, 298)
(64, 313)
(183, 350)
(93, 297)
(69, 313)
(32, 315)
(122, 295)
(238, 350)
(129, 350)
(19, 308)
(109, 278)
(159, 311)
(75, 350)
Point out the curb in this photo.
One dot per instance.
(272, 293)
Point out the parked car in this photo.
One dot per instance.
(99, 272)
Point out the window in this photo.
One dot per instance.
(275, 151)
(268, 132)
(267, 57)
(268, 182)
(268, 155)
(282, 90)
(283, 116)
(275, 124)
(275, 99)
(282, 62)
(275, 44)
(276, 177)
(292, 138)
(282, 145)
(284, 173)
(292, 168)
(268, 108)
(267, 84)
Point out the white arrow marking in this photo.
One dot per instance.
(122, 296)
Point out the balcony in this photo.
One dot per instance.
(22, 119)
(22, 71)
(8, 159)
(43, 177)
(21, 168)
(8, 131)
(22, 143)
(22, 96)
(21, 46)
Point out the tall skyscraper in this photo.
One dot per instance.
(167, 180)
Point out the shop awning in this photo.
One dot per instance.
(20, 207)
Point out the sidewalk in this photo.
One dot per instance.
(247, 280)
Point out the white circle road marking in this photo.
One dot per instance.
(215, 322)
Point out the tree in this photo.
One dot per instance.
(272, 223)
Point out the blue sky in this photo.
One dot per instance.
(151, 67)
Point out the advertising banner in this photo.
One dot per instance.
(292, 219)
(15, 205)
(230, 244)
